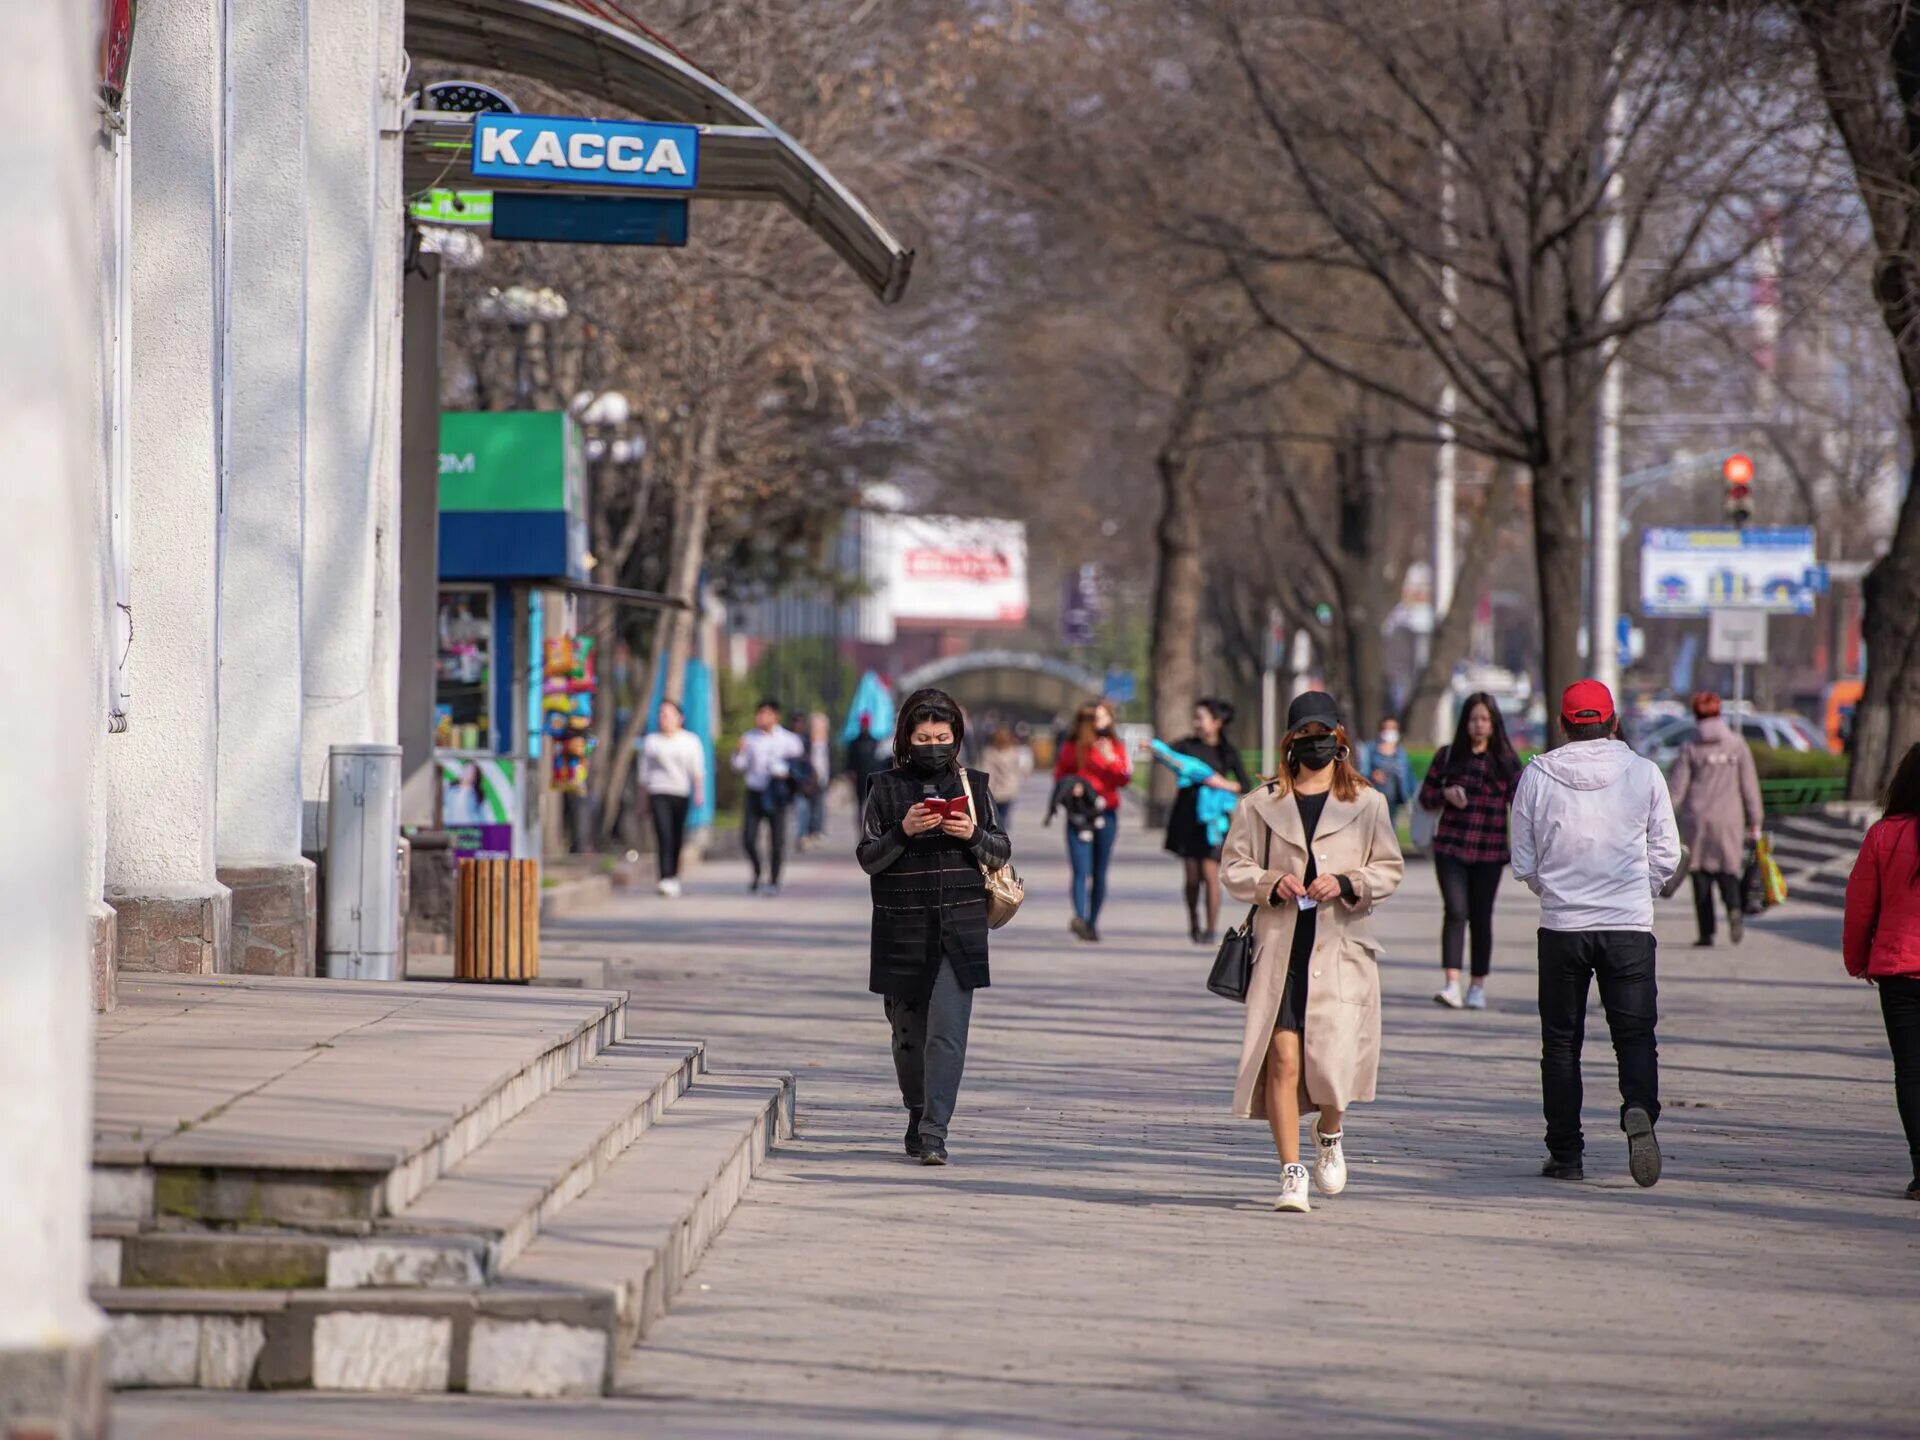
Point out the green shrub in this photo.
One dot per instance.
(1781, 764)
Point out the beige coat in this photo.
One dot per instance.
(1354, 838)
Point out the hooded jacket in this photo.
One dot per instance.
(1594, 836)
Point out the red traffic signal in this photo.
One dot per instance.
(1737, 470)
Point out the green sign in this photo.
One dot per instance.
(454, 207)
(509, 460)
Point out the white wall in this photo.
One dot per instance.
(49, 480)
(261, 646)
(350, 626)
(160, 801)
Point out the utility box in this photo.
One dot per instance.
(361, 935)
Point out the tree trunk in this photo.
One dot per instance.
(1886, 723)
(1178, 589)
(1557, 553)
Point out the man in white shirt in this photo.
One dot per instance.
(766, 757)
(1593, 835)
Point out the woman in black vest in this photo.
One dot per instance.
(929, 908)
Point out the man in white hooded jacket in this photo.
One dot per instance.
(1594, 837)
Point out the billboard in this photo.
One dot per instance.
(945, 570)
(1692, 571)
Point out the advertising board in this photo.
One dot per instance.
(1688, 572)
(945, 570)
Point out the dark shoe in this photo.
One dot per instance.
(1563, 1170)
(1737, 926)
(1705, 942)
(1913, 1190)
(1080, 928)
(1193, 932)
(1643, 1151)
(914, 1146)
(933, 1152)
(1092, 934)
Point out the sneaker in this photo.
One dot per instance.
(665, 887)
(933, 1152)
(772, 891)
(670, 887)
(1913, 1190)
(1563, 1170)
(1080, 928)
(1329, 1162)
(914, 1146)
(1643, 1151)
(1293, 1190)
(1476, 997)
(1449, 995)
(1737, 926)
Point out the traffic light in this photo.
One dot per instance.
(1737, 471)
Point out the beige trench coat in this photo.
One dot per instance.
(1342, 1042)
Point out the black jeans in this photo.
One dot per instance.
(1704, 884)
(669, 830)
(1900, 1008)
(930, 1049)
(1468, 889)
(759, 808)
(1623, 962)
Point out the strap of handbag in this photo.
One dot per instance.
(966, 788)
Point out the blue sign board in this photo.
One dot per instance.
(589, 219)
(1120, 687)
(633, 154)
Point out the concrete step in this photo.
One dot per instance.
(637, 1235)
(556, 1323)
(554, 1151)
(237, 1101)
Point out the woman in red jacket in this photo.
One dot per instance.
(1881, 941)
(1094, 754)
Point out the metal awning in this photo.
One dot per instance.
(744, 156)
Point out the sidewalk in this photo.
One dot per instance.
(1102, 1256)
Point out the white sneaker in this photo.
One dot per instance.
(1449, 995)
(1293, 1190)
(1329, 1161)
(670, 888)
(1476, 997)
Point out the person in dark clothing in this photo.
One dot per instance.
(1471, 784)
(866, 757)
(929, 949)
(1187, 836)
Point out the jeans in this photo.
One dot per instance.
(1090, 859)
(669, 830)
(810, 815)
(1468, 888)
(1900, 1008)
(930, 1049)
(759, 809)
(1623, 962)
(1704, 884)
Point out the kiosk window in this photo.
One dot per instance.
(463, 684)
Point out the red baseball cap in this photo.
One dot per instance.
(1586, 702)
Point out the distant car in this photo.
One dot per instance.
(1660, 741)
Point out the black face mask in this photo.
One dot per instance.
(1316, 752)
(932, 759)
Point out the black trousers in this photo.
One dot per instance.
(1468, 889)
(1570, 960)
(759, 810)
(1900, 1008)
(669, 830)
(930, 1049)
(1704, 884)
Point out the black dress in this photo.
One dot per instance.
(1186, 836)
(1306, 924)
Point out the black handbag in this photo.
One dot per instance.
(1232, 973)
(1753, 883)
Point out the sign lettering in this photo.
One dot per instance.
(634, 154)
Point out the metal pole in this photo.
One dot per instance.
(1739, 689)
(1269, 716)
(1603, 609)
(1446, 461)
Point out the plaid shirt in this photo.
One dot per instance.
(1478, 832)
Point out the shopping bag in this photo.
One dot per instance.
(1753, 884)
(1421, 825)
(1775, 884)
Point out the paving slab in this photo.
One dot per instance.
(1102, 1257)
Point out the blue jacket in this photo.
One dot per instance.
(1398, 786)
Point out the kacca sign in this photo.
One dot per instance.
(631, 154)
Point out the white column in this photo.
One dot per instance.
(173, 912)
(260, 601)
(1603, 607)
(1446, 460)
(354, 253)
(50, 583)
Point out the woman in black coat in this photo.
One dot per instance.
(929, 907)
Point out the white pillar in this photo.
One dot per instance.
(355, 233)
(259, 837)
(1446, 460)
(50, 477)
(1603, 608)
(173, 911)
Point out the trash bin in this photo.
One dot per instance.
(496, 927)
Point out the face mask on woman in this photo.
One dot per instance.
(1316, 752)
(932, 759)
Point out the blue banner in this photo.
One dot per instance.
(633, 154)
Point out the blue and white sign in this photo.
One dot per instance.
(633, 154)
(1693, 571)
